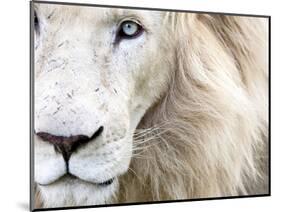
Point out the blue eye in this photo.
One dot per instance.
(130, 29)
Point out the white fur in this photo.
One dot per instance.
(183, 106)
(83, 81)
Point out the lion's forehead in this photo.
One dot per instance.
(95, 15)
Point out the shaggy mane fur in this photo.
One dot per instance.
(207, 135)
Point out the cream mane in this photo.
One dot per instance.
(207, 137)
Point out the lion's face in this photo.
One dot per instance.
(96, 73)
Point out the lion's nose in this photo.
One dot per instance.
(67, 145)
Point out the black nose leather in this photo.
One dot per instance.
(67, 145)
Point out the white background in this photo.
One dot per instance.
(14, 99)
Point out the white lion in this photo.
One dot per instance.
(134, 105)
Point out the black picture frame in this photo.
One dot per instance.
(31, 106)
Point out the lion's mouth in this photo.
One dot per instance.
(71, 177)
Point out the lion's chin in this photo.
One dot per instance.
(71, 191)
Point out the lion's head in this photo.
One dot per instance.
(134, 105)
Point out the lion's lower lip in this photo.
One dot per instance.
(106, 183)
(70, 176)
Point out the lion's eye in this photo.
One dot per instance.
(130, 29)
